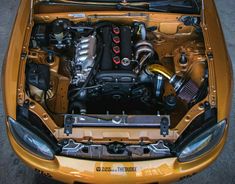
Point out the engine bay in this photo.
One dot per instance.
(113, 68)
(116, 82)
(106, 85)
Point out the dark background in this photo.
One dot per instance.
(12, 170)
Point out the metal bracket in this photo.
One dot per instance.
(24, 109)
(23, 55)
(164, 127)
(203, 14)
(31, 12)
(151, 121)
(210, 55)
(190, 20)
(68, 125)
(207, 113)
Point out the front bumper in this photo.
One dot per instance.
(72, 170)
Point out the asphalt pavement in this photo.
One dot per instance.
(12, 170)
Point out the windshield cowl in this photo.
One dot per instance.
(168, 6)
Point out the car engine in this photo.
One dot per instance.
(112, 68)
(115, 69)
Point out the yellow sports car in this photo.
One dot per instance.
(117, 91)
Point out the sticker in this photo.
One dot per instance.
(77, 15)
(117, 169)
(43, 173)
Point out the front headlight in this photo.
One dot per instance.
(30, 141)
(203, 143)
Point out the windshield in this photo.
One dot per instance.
(170, 6)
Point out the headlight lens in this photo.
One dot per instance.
(30, 140)
(203, 143)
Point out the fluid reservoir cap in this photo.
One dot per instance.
(58, 29)
(170, 102)
(50, 58)
(183, 59)
(126, 61)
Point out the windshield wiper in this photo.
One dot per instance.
(172, 6)
(175, 6)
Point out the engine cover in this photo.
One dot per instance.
(117, 53)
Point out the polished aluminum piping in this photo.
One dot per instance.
(156, 68)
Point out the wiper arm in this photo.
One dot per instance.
(140, 6)
(174, 6)
(163, 6)
(77, 3)
(132, 7)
